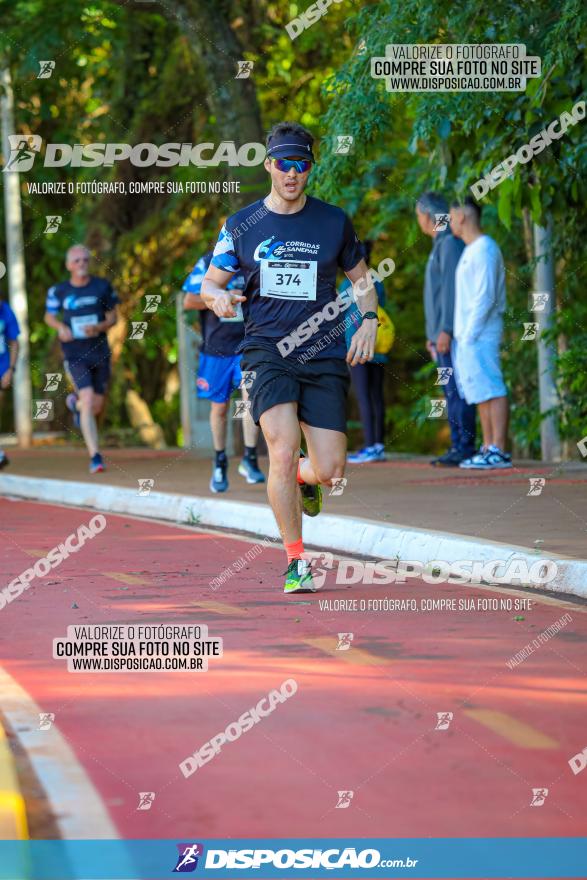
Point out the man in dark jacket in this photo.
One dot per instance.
(439, 299)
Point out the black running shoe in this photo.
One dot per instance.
(452, 458)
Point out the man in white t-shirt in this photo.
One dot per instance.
(478, 328)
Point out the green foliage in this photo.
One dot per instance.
(409, 143)
(128, 72)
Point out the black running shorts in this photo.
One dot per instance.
(92, 370)
(319, 387)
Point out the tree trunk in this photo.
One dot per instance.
(141, 420)
(549, 400)
(233, 102)
(528, 241)
(16, 270)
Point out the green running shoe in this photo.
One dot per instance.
(298, 577)
(311, 496)
(311, 499)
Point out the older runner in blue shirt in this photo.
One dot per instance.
(82, 309)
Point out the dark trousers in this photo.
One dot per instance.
(367, 381)
(461, 415)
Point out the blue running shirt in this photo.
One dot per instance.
(220, 336)
(79, 306)
(9, 330)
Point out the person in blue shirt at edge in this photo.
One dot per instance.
(81, 310)
(367, 380)
(219, 374)
(289, 247)
(9, 333)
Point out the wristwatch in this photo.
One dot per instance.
(369, 316)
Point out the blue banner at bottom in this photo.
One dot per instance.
(505, 857)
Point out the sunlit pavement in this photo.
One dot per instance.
(365, 719)
(493, 506)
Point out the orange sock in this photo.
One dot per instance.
(294, 550)
(298, 477)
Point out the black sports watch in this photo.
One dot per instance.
(369, 316)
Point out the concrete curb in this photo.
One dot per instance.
(367, 539)
(62, 778)
(13, 821)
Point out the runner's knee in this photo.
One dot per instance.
(219, 409)
(86, 399)
(283, 456)
(328, 470)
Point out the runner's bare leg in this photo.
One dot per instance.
(250, 430)
(87, 419)
(326, 455)
(281, 429)
(218, 412)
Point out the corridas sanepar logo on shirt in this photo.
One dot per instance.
(283, 250)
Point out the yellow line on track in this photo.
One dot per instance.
(13, 823)
(510, 728)
(356, 656)
(132, 579)
(220, 608)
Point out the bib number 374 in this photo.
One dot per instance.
(286, 279)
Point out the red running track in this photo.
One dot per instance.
(362, 720)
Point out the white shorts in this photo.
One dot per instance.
(477, 369)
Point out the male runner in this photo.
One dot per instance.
(289, 247)
(219, 373)
(9, 332)
(87, 305)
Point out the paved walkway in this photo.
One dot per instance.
(492, 506)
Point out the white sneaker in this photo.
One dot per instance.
(492, 459)
(497, 458)
(475, 460)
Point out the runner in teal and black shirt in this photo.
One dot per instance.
(82, 309)
(289, 248)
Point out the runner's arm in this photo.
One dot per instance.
(110, 318)
(362, 346)
(13, 348)
(215, 295)
(363, 288)
(63, 330)
(6, 378)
